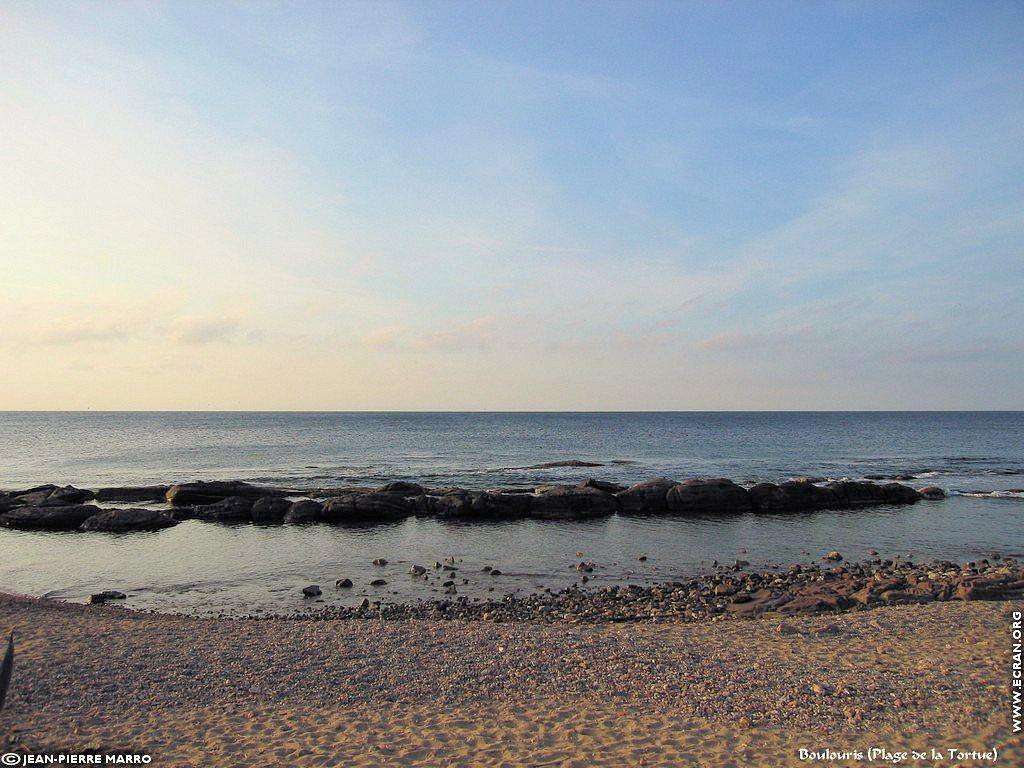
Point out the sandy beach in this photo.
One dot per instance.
(194, 691)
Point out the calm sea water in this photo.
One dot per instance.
(205, 567)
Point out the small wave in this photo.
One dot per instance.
(1011, 493)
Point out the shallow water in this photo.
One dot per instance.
(209, 568)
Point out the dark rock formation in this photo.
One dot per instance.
(591, 498)
(863, 493)
(347, 490)
(213, 491)
(51, 496)
(272, 509)
(121, 520)
(932, 492)
(601, 485)
(108, 594)
(402, 488)
(458, 503)
(67, 517)
(562, 502)
(647, 497)
(718, 495)
(135, 493)
(304, 511)
(792, 496)
(366, 506)
(231, 509)
(557, 464)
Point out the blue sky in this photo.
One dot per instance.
(512, 205)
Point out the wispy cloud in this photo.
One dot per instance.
(199, 331)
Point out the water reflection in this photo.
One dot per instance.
(204, 568)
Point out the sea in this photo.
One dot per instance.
(218, 569)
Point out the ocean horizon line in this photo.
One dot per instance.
(508, 411)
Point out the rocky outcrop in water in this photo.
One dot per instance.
(304, 511)
(230, 509)
(212, 491)
(50, 496)
(85, 517)
(133, 493)
(563, 502)
(67, 517)
(649, 497)
(123, 520)
(271, 509)
(236, 501)
(719, 495)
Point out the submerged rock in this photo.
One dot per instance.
(932, 492)
(313, 590)
(567, 463)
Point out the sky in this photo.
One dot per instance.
(511, 206)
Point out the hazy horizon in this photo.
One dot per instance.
(456, 207)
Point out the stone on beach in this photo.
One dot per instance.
(107, 594)
(313, 590)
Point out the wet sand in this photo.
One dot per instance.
(195, 691)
